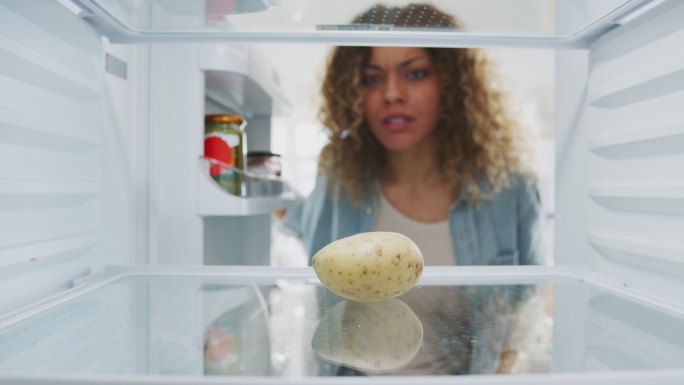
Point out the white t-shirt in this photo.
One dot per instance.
(433, 238)
(434, 242)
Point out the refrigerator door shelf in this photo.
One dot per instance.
(261, 195)
(186, 325)
(531, 23)
(239, 78)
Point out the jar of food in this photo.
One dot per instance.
(224, 148)
(264, 163)
(264, 170)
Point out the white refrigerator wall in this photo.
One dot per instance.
(72, 166)
(620, 154)
(176, 87)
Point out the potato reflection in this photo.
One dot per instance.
(372, 337)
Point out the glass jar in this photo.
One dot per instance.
(264, 163)
(264, 169)
(225, 147)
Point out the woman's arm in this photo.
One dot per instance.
(309, 218)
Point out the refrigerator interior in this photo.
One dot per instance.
(100, 165)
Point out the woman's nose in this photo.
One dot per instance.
(394, 90)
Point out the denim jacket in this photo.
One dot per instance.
(499, 230)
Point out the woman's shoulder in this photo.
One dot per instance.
(524, 190)
(523, 182)
(521, 188)
(513, 182)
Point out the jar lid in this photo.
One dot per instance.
(224, 118)
(259, 154)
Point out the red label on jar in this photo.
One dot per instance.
(218, 147)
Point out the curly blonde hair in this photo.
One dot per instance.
(478, 134)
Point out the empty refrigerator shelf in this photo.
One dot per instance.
(526, 23)
(265, 322)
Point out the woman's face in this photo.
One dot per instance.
(402, 98)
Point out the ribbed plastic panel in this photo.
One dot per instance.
(51, 169)
(629, 156)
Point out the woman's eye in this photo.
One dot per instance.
(369, 80)
(416, 74)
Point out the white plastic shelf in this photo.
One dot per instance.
(32, 67)
(657, 199)
(34, 130)
(660, 140)
(213, 200)
(18, 194)
(42, 251)
(635, 250)
(240, 79)
(649, 82)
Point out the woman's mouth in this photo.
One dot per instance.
(397, 122)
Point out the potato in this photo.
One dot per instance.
(372, 337)
(367, 267)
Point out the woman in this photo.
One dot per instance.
(421, 142)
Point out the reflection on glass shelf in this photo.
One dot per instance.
(465, 330)
(294, 328)
(370, 337)
(237, 342)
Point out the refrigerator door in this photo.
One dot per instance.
(260, 325)
(556, 23)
